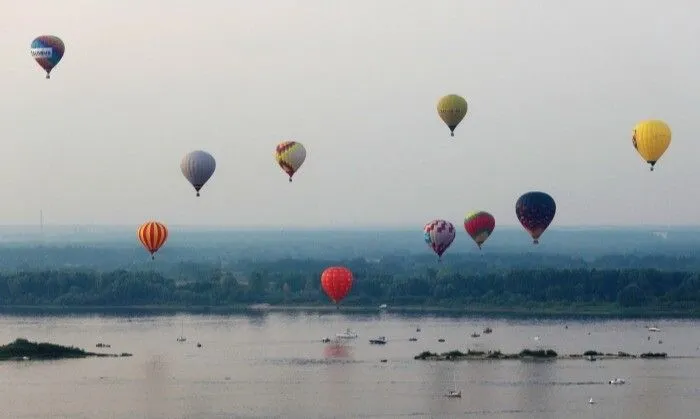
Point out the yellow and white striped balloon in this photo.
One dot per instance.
(290, 155)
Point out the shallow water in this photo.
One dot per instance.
(274, 365)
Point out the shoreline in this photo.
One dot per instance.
(554, 312)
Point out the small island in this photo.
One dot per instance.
(528, 354)
(24, 350)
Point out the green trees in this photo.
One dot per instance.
(414, 282)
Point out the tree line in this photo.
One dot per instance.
(398, 282)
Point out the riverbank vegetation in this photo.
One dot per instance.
(528, 354)
(23, 349)
(415, 282)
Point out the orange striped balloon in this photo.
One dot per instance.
(152, 235)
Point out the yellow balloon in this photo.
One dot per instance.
(452, 109)
(651, 138)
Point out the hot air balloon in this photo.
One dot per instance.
(439, 235)
(198, 166)
(535, 211)
(152, 235)
(452, 109)
(651, 139)
(290, 155)
(47, 50)
(336, 281)
(479, 225)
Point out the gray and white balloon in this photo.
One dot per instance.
(198, 166)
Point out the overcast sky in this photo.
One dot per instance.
(554, 89)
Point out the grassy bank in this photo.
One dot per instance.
(549, 311)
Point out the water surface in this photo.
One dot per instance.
(274, 365)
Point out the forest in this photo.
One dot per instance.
(613, 284)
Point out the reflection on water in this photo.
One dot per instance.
(155, 383)
(275, 365)
(336, 350)
(535, 394)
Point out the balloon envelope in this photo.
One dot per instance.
(197, 167)
(439, 235)
(651, 139)
(47, 50)
(479, 225)
(452, 109)
(290, 155)
(336, 281)
(152, 235)
(535, 211)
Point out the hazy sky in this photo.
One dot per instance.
(554, 89)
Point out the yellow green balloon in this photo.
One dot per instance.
(651, 138)
(452, 109)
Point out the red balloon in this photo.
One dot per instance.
(336, 281)
(479, 225)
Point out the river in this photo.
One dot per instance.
(275, 365)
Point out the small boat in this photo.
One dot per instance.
(326, 340)
(591, 401)
(475, 335)
(441, 340)
(182, 337)
(347, 334)
(381, 340)
(487, 330)
(654, 329)
(382, 307)
(454, 393)
(592, 358)
(417, 329)
(199, 345)
(412, 339)
(616, 381)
